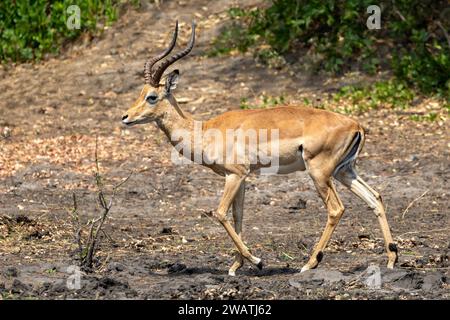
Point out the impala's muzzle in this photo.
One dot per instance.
(127, 121)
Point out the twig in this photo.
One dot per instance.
(422, 231)
(424, 268)
(412, 202)
(214, 221)
(107, 236)
(97, 168)
(91, 243)
(444, 31)
(116, 187)
(77, 225)
(398, 12)
(95, 225)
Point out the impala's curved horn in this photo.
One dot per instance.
(150, 62)
(157, 74)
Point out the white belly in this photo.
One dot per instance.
(283, 168)
(298, 165)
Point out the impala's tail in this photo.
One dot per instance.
(351, 152)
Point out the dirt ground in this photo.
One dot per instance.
(160, 239)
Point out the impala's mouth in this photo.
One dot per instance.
(128, 123)
(132, 123)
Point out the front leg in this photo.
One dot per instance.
(238, 213)
(233, 183)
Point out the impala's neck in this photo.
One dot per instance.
(172, 118)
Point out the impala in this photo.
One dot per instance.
(323, 143)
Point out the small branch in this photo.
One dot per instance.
(116, 187)
(95, 226)
(107, 236)
(423, 231)
(425, 268)
(98, 180)
(444, 31)
(77, 225)
(398, 12)
(412, 202)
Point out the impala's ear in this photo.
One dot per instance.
(172, 81)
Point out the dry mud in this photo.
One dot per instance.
(160, 240)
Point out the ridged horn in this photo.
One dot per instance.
(150, 62)
(157, 74)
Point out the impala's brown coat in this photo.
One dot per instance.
(324, 143)
(324, 137)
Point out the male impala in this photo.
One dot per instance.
(324, 143)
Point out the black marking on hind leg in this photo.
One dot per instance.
(393, 247)
(350, 155)
(319, 256)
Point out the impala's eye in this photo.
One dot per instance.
(151, 98)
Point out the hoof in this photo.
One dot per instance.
(390, 265)
(305, 268)
(231, 273)
(260, 265)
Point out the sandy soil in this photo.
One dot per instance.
(160, 240)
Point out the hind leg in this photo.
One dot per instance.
(238, 213)
(359, 187)
(335, 209)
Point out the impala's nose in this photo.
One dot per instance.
(124, 117)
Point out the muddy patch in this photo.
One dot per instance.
(373, 278)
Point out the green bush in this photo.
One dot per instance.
(393, 93)
(412, 40)
(31, 28)
(262, 102)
